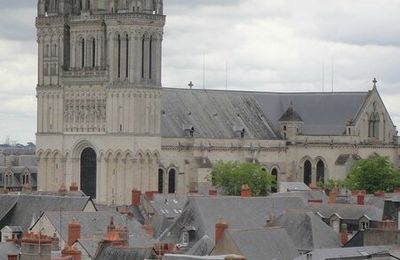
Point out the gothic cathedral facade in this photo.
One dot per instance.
(98, 92)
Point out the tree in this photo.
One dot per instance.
(374, 174)
(232, 175)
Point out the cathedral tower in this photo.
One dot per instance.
(99, 88)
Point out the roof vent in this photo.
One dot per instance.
(189, 130)
(239, 131)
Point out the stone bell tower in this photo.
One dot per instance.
(98, 92)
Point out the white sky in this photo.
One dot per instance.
(274, 45)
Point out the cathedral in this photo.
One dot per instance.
(106, 124)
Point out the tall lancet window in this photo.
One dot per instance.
(94, 53)
(119, 56)
(150, 55)
(143, 41)
(83, 52)
(373, 125)
(127, 57)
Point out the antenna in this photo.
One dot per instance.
(333, 71)
(226, 75)
(323, 76)
(204, 71)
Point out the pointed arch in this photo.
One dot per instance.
(307, 172)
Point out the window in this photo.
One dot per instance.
(83, 53)
(25, 178)
(160, 181)
(307, 172)
(8, 180)
(364, 225)
(171, 181)
(373, 125)
(119, 56)
(150, 55)
(94, 53)
(127, 57)
(185, 238)
(320, 172)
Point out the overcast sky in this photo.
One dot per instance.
(274, 45)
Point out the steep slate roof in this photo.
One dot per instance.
(307, 195)
(7, 203)
(8, 249)
(114, 253)
(266, 243)
(350, 252)
(169, 206)
(28, 206)
(348, 211)
(90, 245)
(307, 231)
(291, 115)
(202, 213)
(94, 224)
(214, 113)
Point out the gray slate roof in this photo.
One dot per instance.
(114, 253)
(90, 245)
(170, 206)
(293, 186)
(343, 253)
(307, 231)
(218, 114)
(202, 213)
(8, 249)
(307, 195)
(94, 225)
(348, 211)
(266, 243)
(28, 206)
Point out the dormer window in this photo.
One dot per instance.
(373, 125)
(189, 131)
(25, 178)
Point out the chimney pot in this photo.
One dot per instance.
(136, 197)
(74, 232)
(245, 191)
(332, 196)
(220, 228)
(360, 199)
(74, 187)
(212, 192)
(344, 236)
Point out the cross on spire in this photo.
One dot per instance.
(374, 81)
(191, 85)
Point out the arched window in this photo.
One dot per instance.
(320, 171)
(143, 41)
(373, 125)
(127, 57)
(307, 172)
(88, 5)
(150, 55)
(172, 181)
(25, 178)
(274, 174)
(83, 53)
(160, 181)
(94, 53)
(119, 56)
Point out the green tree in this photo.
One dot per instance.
(232, 175)
(374, 174)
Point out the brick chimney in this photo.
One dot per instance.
(387, 225)
(379, 194)
(150, 195)
(74, 187)
(74, 232)
(34, 245)
(220, 228)
(212, 192)
(74, 253)
(332, 196)
(148, 229)
(314, 187)
(344, 236)
(136, 197)
(360, 199)
(245, 191)
(12, 257)
(62, 189)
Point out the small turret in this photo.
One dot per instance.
(291, 123)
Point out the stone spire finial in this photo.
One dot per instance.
(191, 85)
(374, 81)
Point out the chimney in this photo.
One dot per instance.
(148, 229)
(212, 192)
(332, 196)
(62, 189)
(12, 257)
(74, 253)
(74, 187)
(245, 191)
(315, 201)
(74, 232)
(379, 194)
(235, 257)
(220, 228)
(344, 236)
(387, 225)
(360, 199)
(314, 187)
(136, 197)
(150, 195)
